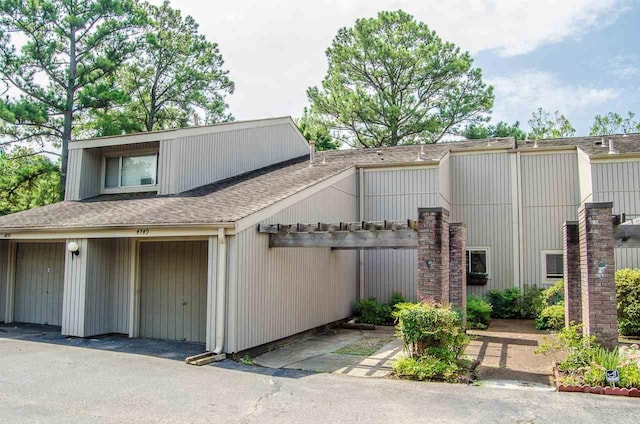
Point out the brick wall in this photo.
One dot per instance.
(572, 276)
(458, 265)
(597, 268)
(433, 255)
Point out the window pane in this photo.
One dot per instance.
(138, 170)
(478, 261)
(112, 167)
(554, 265)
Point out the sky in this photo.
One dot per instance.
(580, 57)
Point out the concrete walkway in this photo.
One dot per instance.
(325, 353)
(506, 354)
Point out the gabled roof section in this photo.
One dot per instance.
(593, 146)
(161, 135)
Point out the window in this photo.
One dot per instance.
(477, 260)
(553, 265)
(130, 172)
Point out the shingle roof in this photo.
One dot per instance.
(238, 197)
(623, 143)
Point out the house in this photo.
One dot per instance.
(157, 236)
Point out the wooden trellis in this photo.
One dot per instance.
(344, 235)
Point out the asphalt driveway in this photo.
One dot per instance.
(45, 382)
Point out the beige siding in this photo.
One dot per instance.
(585, 177)
(275, 293)
(444, 182)
(173, 283)
(550, 196)
(75, 279)
(119, 286)
(620, 183)
(39, 283)
(396, 195)
(193, 161)
(481, 198)
(4, 256)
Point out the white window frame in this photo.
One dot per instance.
(486, 250)
(128, 189)
(543, 261)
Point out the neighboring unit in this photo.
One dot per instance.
(158, 234)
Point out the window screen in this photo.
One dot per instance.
(130, 171)
(477, 261)
(554, 265)
(112, 172)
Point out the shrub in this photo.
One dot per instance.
(478, 312)
(505, 303)
(551, 317)
(427, 368)
(531, 303)
(553, 294)
(422, 326)
(628, 301)
(371, 311)
(396, 299)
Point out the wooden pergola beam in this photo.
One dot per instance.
(344, 235)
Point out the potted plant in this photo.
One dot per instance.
(477, 279)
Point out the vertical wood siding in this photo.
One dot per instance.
(173, 283)
(481, 198)
(39, 283)
(75, 279)
(619, 183)
(4, 256)
(550, 196)
(275, 293)
(396, 195)
(193, 161)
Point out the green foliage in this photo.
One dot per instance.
(551, 317)
(628, 301)
(501, 129)
(392, 80)
(553, 294)
(247, 360)
(314, 128)
(427, 368)
(396, 299)
(531, 303)
(505, 303)
(478, 312)
(614, 123)
(68, 51)
(421, 326)
(544, 125)
(371, 311)
(27, 180)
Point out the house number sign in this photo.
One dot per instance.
(612, 376)
(142, 232)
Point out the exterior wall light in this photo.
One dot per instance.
(73, 248)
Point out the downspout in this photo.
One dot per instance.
(221, 303)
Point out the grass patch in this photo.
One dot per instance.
(366, 346)
(246, 360)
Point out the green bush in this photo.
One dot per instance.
(628, 301)
(505, 303)
(553, 294)
(478, 312)
(396, 299)
(531, 303)
(551, 317)
(421, 326)
(427, 368)
(370, 311)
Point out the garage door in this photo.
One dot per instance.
(173, 283)
(39, 283)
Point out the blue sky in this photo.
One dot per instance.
(581, 57)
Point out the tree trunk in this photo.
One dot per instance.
(68, 112)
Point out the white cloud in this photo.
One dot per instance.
(275, 49)
(624, 66)
(518, 95)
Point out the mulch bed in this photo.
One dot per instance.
(598, 390)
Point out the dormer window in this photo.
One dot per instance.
(130, 172)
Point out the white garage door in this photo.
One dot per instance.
(173, 283)
(39, 283)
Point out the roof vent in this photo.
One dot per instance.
(612, 149)
(421, 154)
(312, 151)
(196, 119)
(599, 142)
(535, 145)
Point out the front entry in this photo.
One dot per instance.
(173, 285)
(39, 282)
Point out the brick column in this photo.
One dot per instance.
(458, 266)
(571, 271)
(597, 266)
(433, 255)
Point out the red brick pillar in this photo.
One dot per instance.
(597, 266)
(433, 255)
(572, 277)
(458, 266)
